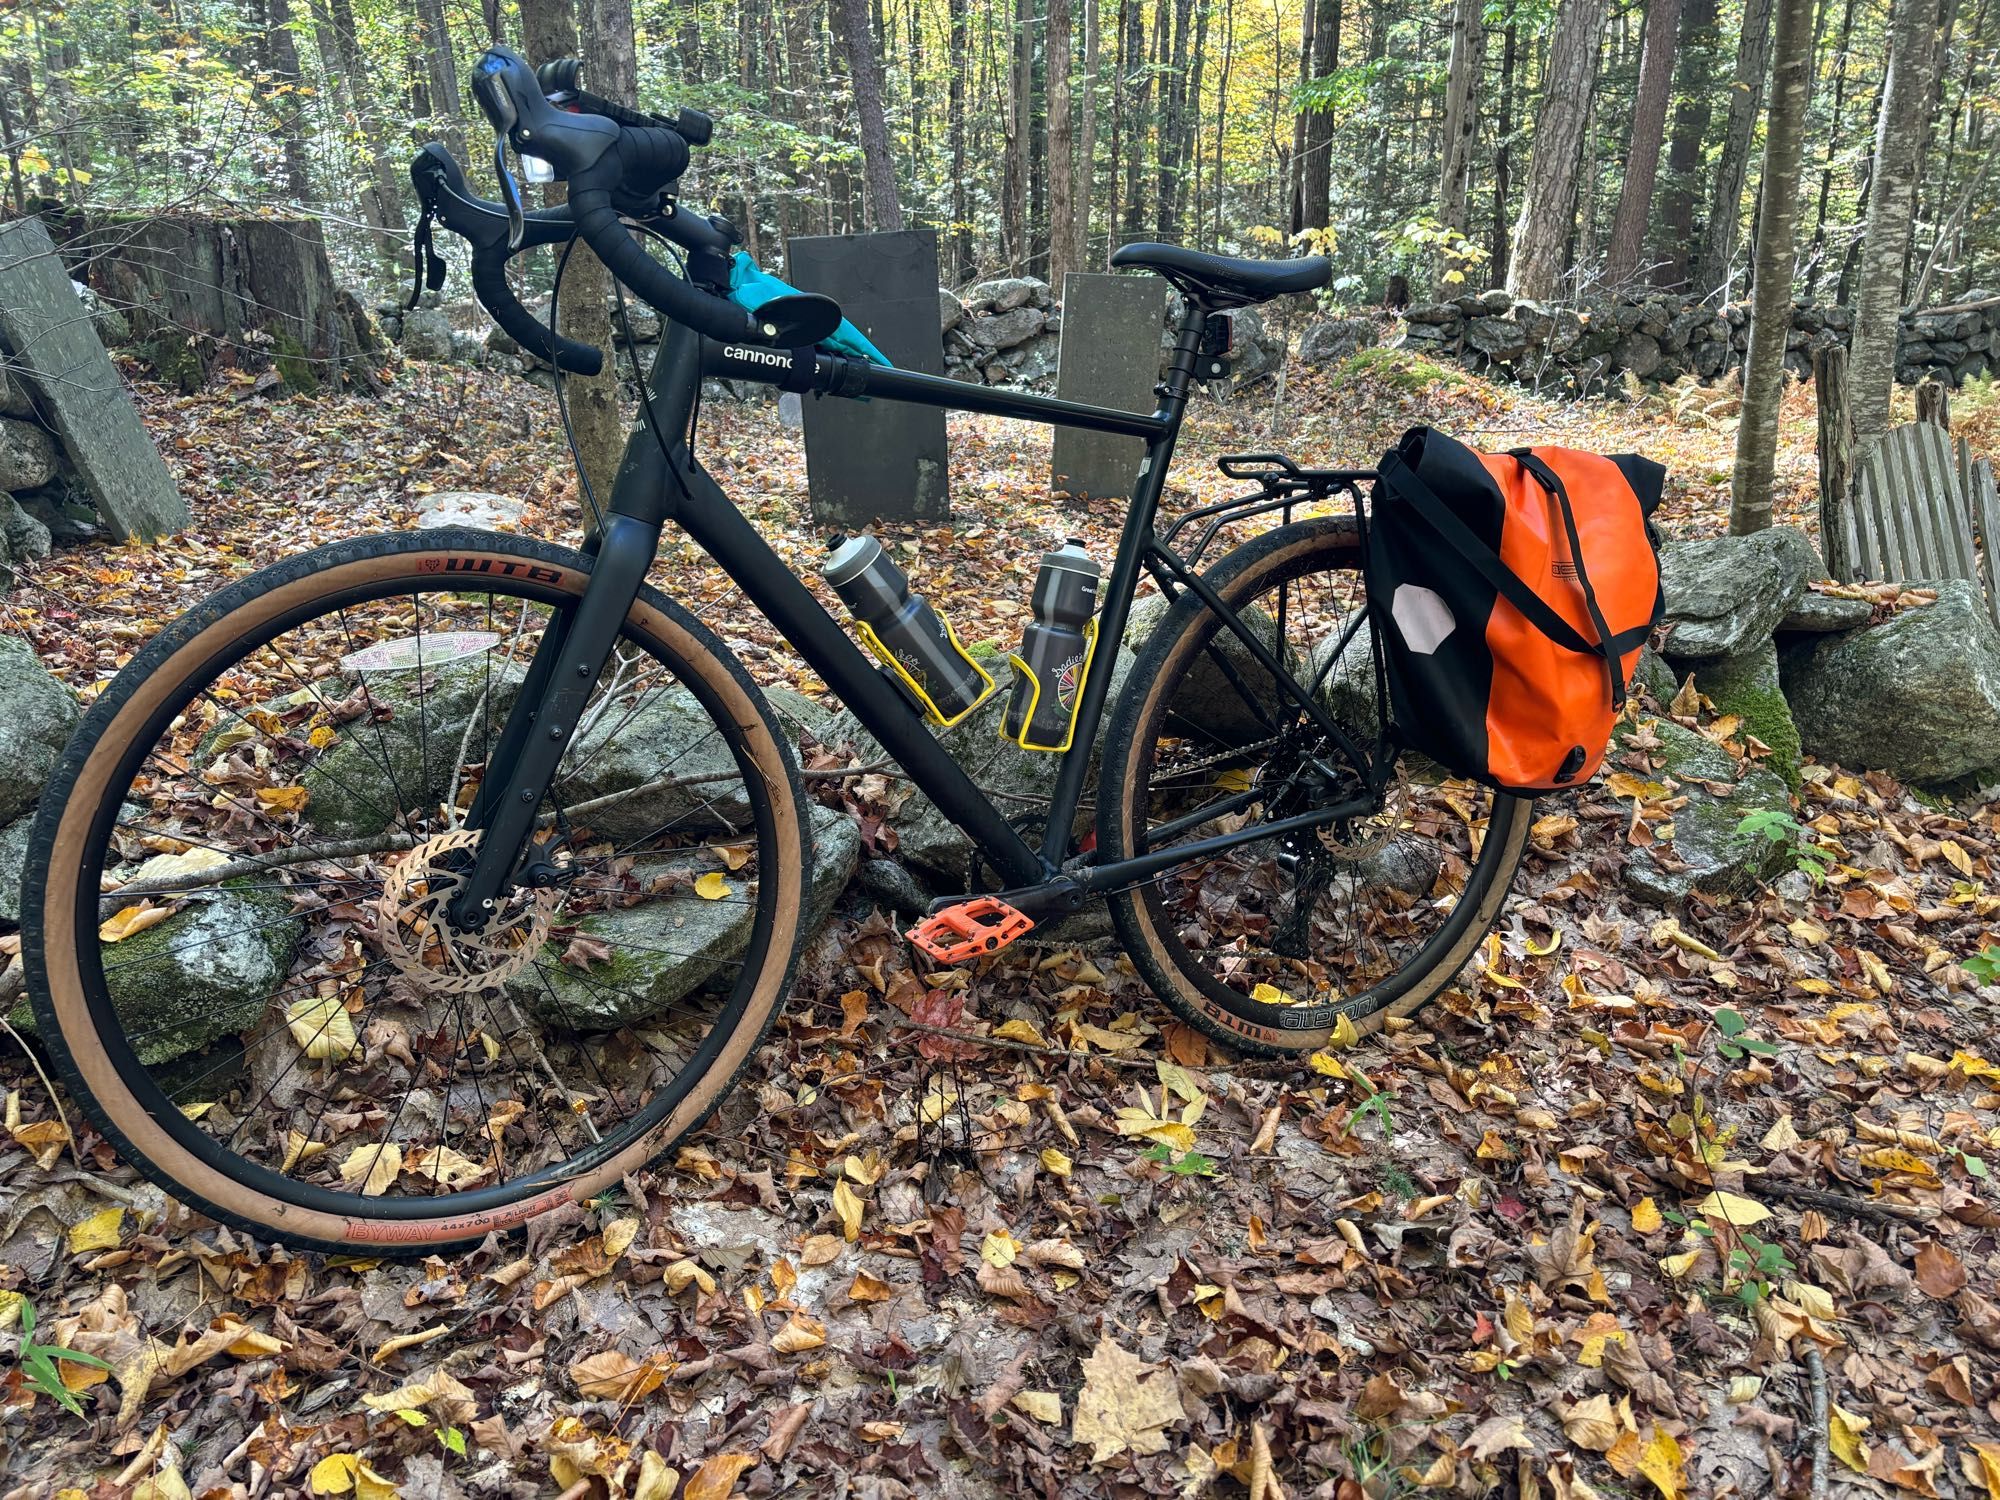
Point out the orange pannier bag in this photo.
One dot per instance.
(1512, 593)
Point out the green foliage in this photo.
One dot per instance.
(1736, 1044)
(1984, 965)
(1400, 370)
(1186, 1164)
(1807, 854)
(38, 1365)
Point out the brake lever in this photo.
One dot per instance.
(510, 195)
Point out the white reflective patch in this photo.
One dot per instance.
(1423, 618)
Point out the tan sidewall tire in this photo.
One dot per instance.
(1242, 574)
(61, 833)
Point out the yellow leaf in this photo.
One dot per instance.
(999, 1249)
(717, 1476)
(1343, 1034)
(1982, 1465)
(289, 799)
(735, 856)
(446, 1167)
(322, 1027)
(1743, 1389)
(1018, 1030)
(334, 1474)
(1843, 1436)
(298, 1149)
(321, 738)
(866, 1288)
(163, 1484)
(1592, 1424)
(712, 886)
(618, 1237)
(847, 1204)
(190, 861)
(1661, 1462)
(404, 1341)
(98, 1232)
(1680, 1265)
(1646, 1216)
(656, 1480)
(1270, 994)
(1043, 1406)
(1782, 1136)
(801, 1332)
(1733, 1209)
(1054, 1161)
(1543, 950)
(372, 1168)
(1178, 1079)
(131, 921)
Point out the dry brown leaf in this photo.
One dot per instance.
(717, 1475)
(1125, 1405)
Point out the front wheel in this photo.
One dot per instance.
(237, 939)
(1270, 943)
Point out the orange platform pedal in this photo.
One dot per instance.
(968, 930)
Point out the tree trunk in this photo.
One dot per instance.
(1771, 304)
(1548, 206)
(1020, 80)
(1693, 88)
(1649, 125)
(864, 62)
(1295, 187)
(1836, 459)
(386, 185)
(1503, 155)
(1461, 119)
(1885, 238)
(1173, 113)
(1222, 115)
(1725, 205)
(1137, 82)
(961, 204)
(446, 105)
(1316, 175)
(1835, 135)
(281, 60)
(1086, 163)
(1065, 255)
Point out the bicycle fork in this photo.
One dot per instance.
(544, 718)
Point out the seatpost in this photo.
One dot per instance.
(1173, 387)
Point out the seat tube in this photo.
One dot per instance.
(1135, 539)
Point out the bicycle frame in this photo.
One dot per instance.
(653, 487)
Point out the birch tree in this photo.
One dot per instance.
(1885, 237)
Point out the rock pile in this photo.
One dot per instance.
(1662, 337)
(1803, 667)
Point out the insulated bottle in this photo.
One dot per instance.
(1055, 650)
(904, 631)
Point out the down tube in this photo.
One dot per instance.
(708, 517)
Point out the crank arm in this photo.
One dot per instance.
(541, 727)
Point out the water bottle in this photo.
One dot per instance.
(1055, 651)
(905, 632)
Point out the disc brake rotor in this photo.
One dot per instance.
(1362, 837)
(419, 940)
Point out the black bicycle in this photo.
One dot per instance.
(427, 881)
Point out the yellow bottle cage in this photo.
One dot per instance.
(1035, 684)
(931, 710)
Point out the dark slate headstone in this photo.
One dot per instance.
(1110, 357)
(53, 349)
(877, 460)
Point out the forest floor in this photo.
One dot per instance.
(1648, 1205)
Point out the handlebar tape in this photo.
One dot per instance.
(645, 157)
(489, 285)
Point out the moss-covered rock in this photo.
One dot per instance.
(1400, 369)
(1748, 686)
(1655, 676)
(667, 736)
(13, 864)
(203, 974)
(1710, 852)
(664, 950)
(405, 757)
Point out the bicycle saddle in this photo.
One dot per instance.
(1226, 280)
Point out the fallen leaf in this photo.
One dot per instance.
(1043, 1406)
(372, 1168)
(1125, 1405)
(717, 1475)
(712, 886)
(98, 1232)
(1661, 1462)
(613, 1375)
(1940, 1273)
(1843, 1436)
(1733, 1209)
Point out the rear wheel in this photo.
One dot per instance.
(1268, 944)
(239, 954)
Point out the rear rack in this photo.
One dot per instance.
(1281, 484)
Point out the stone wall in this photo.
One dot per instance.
(1661, 337)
